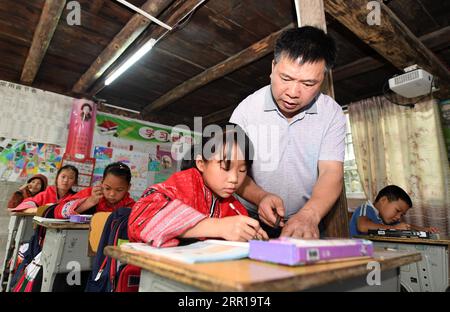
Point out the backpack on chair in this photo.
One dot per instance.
(109, 275)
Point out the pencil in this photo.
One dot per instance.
(240, 214)
(234, 209)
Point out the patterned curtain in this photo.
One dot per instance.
(404, 146)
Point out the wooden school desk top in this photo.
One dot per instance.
(63, 225)
(252, 275)
(428, 241)
(22, 214)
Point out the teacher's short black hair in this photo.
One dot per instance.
(307, 44)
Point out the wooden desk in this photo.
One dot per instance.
(64, 242)
(160, 274)
(431, 273)
(20, 230)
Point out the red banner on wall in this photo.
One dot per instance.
(81, 128)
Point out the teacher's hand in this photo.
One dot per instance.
(304, 224)
(271, 209)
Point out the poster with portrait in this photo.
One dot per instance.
(81, 128)
(167, 165)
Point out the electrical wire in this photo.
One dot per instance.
(185, 19)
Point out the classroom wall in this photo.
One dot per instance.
(353, 203)
(6, 189)
(33, 115)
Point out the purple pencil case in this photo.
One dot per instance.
(80, 218)
(291, 251)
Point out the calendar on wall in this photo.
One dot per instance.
(85, 170)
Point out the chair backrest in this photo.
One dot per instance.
(97, 225)
(42, 209)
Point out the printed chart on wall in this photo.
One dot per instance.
(19, 160)
(33, 115)
(144, 147)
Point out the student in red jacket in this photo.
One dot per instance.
(34, 185)
(110, 195)
(66, 178)
(198, 202)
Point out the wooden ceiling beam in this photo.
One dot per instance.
(391, 39)
(219, 116)
(171, 16)
(311, 13)
(244, 57)
(127, 35)
(434, 41)
(96, 5)
(43, 34)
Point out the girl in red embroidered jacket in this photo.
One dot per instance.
(110, 195)
(34, 186)
(198, 202)
(66, 178)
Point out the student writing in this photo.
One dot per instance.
(390, 205)
(198, 202)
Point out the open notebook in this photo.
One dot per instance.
(49, 220)
(205, 251)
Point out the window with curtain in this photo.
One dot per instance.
(405, 146)
(353, 187)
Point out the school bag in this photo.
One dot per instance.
(109, 275)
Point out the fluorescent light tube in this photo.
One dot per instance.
(133, 59)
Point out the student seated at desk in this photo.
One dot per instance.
(390, 205)
(34, 185)
(198, 202)
(110, 195)
(66, 178)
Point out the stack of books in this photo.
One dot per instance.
(291, 251)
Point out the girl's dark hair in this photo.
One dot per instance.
(308, 43)
(228, 136)
(118, 169)
(67, 167)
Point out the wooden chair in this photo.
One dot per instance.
(95, 231)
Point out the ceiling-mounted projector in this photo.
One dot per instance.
(414, 82)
